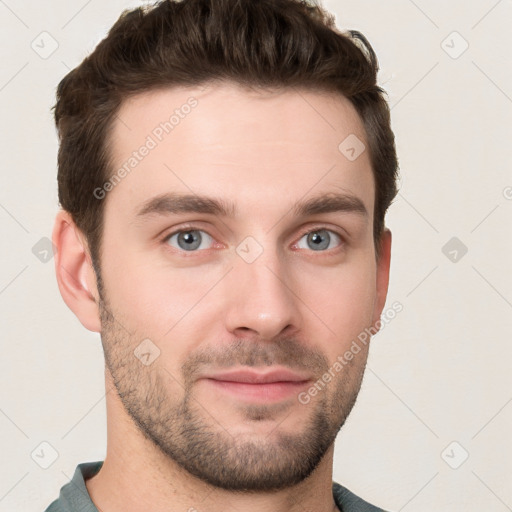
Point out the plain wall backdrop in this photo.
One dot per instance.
(432, 426)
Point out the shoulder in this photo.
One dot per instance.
(54, 507)
(347, 501)
(74, 495)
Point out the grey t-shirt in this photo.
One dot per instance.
(74, 496)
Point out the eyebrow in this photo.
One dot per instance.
(172, 203)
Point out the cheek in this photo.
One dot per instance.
(152, 295)
(342, 299)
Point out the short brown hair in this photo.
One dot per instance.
(262, 43)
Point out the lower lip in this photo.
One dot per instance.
(271, 391)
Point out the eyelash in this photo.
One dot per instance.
(190, 227)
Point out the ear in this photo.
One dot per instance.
(75, 274)
(382, 276)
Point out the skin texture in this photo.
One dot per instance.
(175, 441)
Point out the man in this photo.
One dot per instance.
(224, 171)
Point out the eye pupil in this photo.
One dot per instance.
(191, 240)
(319, 241)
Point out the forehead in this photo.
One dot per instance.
(255, 147)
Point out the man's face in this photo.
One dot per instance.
(262, 287)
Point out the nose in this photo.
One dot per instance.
(260, 299)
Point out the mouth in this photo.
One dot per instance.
(250, 385)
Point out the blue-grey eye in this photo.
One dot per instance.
(190, 240)
(319, 240)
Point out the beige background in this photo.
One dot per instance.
(439, 373)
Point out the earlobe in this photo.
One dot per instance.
(75, 274)
(382, 277)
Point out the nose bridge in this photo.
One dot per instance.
(260, 292)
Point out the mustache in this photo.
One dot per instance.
(286, 352)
